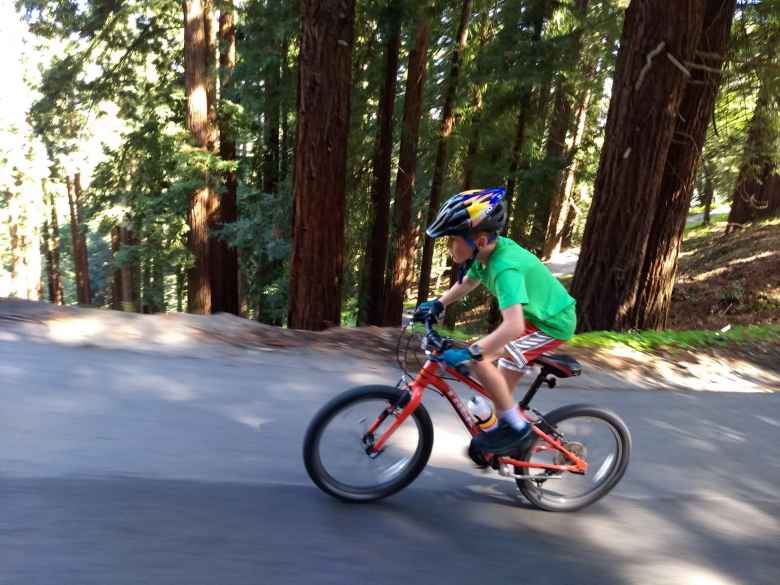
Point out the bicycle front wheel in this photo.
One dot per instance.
(335, 446)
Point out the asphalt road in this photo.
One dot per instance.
(120, 467)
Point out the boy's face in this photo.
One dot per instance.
(460, 249)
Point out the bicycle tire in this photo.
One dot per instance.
(329, 485)
(561, 504)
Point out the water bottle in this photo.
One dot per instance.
(482, 411)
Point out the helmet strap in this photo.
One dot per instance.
(464, 268)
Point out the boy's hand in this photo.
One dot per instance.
(429, 310)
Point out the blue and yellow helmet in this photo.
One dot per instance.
(469, 212)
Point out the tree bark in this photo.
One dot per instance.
(646, 95)
(563, 227)
(128, 279)
(201, 201)
(211, 28)
(224, 269)
(80, 262)
(398, 278)
(46, 251)
(567, 234)
(559, 155)
(548, 207)
(376, 258)
(116, 273)
(538, 13)
(659, 270)
(272, 76)
(324, 85)
(445, 131)
(709, 190)
(56, 295)
(284, 151)
(751, 192)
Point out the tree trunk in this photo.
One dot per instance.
(211, 28)
(224, 269)
(751, 190)
(445, 130)
(84, 260)
(80, 263)
(548, 221)
(398, 278)
(316, 269)
(538, 13)
(376, 257)
(128, 297)
(46, 251)
(56, 295)
(659, 270)
(772, 191)
(646, 95)
(284, 151)
(116, 273)
(196, 77)
(563, 228)
(567, 234)
(271, 115)
(158, 278)
(709, 190)
(548, 207)
(181, 283)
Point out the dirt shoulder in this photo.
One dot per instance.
(727, 369)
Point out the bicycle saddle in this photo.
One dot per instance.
(559, 365)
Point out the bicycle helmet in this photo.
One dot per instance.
(469, 212)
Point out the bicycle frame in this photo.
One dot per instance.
(429, 376)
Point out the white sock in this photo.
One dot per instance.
(513, 418)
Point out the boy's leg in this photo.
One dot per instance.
(511, 372)
(495, 384)
(499, 383)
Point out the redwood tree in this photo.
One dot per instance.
(445, 130)
(657, 277)
(649, 84)
(400, 270)
(324, 85)
(376, 249)
(567, 117)
(754, 187)
(196, 78)
(80, 260)
(224, 258)
(52, 247)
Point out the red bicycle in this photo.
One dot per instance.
(372, 441)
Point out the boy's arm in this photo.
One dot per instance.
(458, 291)
(512, 327)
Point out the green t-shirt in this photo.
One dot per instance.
(515, 276)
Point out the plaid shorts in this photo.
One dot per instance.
(525, 349)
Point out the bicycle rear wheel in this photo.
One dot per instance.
(335, 446)
(594, 434)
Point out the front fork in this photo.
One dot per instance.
(408, 402)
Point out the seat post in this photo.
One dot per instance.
(534, 388)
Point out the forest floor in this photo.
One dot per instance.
(729, 279)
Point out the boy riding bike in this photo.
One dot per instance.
(538, 314)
